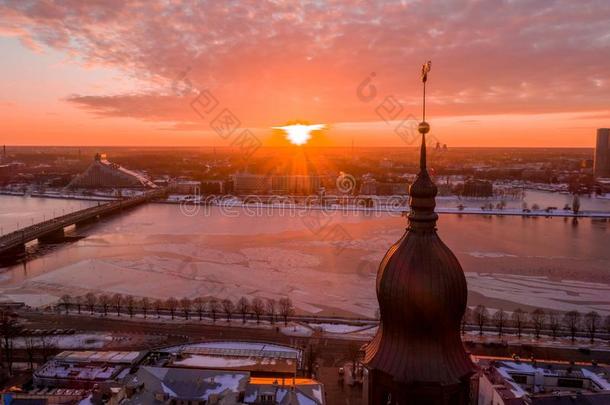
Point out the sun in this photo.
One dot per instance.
(299, 134)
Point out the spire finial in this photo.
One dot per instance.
(424, 127)
(423, 191)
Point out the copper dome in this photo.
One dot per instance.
(422, 296)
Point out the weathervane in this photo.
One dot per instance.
(423, 126)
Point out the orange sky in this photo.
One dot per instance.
(505, 73)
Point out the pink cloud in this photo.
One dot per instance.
(273, 61)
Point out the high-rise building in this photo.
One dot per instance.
(602, 153)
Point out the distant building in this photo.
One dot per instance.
(368, 187)
(213, 187)
(527, 383)
(104, 174)
(248, 183)
(260, 360)
(189, 187)
(296, 184)
(602, 153)
(5, 172)
(84, 369)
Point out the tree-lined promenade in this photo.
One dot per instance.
(538, 322)
(518, 322)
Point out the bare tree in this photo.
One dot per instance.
(47, 347)
(158, 304)
(130, 304)
(286, 308)
(30, 344)
(538, 318)
(465, 318)
(519, 317)
(91, 300)
(481, 316)
(353, 354)
(78, 301)
(8, 331)
(243, 306)
(65, 301)
(228, 307)
(592, 322)
(258, 308)
(171, 303)
(213, 308)
(199, 304)
(572, 321)
(144, 304)
(117, 301)
(186, 305)
(311, 356)
(104, 301)
(271, 308)
(499, 320)
(554, 323)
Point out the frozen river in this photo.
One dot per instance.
(325, 262)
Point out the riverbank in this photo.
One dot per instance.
(393, 205)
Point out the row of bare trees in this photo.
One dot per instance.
(256, 308)
(42, 346)
(539, 321)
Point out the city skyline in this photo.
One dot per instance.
(508, 75)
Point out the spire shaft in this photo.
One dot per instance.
(424, 104)
(422, 153)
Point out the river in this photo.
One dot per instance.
(326, 262)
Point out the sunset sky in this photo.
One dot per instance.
(504, 73)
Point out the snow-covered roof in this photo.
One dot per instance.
(183, 384)
(98, 356)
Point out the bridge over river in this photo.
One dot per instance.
(52, 230)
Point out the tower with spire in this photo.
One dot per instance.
(417, 356)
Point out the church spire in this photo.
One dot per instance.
(423, 190)
(417, 355)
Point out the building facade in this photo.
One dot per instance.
(602, 154)
(105, 174)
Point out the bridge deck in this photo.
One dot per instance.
(20, 237)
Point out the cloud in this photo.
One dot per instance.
(271, 61)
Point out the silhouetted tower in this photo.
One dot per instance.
(417, 356)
